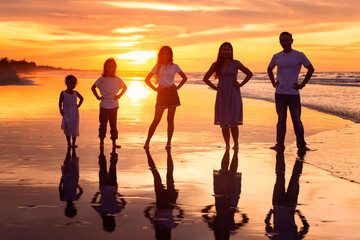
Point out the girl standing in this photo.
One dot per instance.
(167, 96)
(228, 105)
(68, 107)
(109, 85)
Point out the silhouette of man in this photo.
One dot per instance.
(289, 62)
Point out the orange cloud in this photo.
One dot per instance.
(167, 6)
(80, 34)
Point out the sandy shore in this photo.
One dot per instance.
(34, 149)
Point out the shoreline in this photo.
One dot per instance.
(332, 113)
(315, 142)
(331, 146)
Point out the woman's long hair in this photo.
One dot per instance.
(106, 73)
(159, 61)
(220, 60)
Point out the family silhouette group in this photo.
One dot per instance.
(228, 104)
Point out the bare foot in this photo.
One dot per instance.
(146, 146)
(277, 148)
(74, 146)
(304, 149)
(116, 146)
(168, 146)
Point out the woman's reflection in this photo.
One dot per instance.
(285, 203)
(161, 213)
(227, 188)
(69, 182)
(108, 202)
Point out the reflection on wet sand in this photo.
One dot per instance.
(285, 203)
(226, 218)
(111, 202)
(161, 213)
(69, 182)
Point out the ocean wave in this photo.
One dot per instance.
(334, 93)
(341, 101)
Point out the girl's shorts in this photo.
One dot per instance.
(167, 97)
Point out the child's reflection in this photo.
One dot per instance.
(111, 201)
(285, 203)
(69, 182)
(161, 213)
(227, 188)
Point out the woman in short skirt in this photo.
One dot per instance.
(167, 96)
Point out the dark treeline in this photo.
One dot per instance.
(22, 66)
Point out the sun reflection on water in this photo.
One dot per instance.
(137, 91)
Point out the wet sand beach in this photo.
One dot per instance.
(33, 148)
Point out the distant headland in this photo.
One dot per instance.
(22, 66)
(9, 70)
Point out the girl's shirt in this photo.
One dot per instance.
(109, 87)
(166, 74)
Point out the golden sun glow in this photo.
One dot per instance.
(136, 91)
(133, 32)
(138, 57)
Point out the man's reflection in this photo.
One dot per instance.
(108, 202)
(69, 182)
(161, 213)
(285, 202)
(227, 189)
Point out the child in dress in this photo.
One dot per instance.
(68, 107)
(109, 85)
(167, 96)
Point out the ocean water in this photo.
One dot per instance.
(335, 93)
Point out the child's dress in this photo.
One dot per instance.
(70, 121)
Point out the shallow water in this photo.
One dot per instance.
(33, 150)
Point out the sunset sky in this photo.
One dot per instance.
(82, 34)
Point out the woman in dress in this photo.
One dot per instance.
(228, 105)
